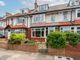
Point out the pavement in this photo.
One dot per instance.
(19, 55)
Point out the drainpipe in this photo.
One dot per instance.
(71, 20)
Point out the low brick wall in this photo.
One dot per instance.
(23, 48)
(3, 45)
(59, 52)
(67, 51)
(72, 51)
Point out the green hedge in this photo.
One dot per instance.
(16, 38)
(56, 40)
(60, 39)
(72, 38)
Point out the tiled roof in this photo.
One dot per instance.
(18, 26)
(76, 22)
(56, 8)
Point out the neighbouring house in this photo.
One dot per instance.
(18, 23)
(2, 26)
(43, 19)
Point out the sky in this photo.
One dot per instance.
(13, 6)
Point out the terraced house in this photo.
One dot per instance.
(43, 19)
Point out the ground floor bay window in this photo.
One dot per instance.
(38, 32)
(42, 32)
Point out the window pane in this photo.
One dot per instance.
(78, 14)
(39, 18)
(78, 29)
(52, 18)
(20, 21)
(38, 32)
(65, 15)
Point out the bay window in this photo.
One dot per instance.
(20, 20)
(52, 18)
(65, 16)
(78, 13)
(42, 32)
(38, 32)
(39, 18)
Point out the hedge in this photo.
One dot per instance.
(56, 40)
(60, 39)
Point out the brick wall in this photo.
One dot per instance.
(23, 48)
(72, 51)
(67, 51)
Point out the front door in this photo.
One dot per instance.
(7, 33)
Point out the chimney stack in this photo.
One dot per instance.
(35, 4)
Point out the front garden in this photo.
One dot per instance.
(60, 43)
(19, 42)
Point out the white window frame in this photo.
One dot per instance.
(77, 13)
(52, 16)
(43, 7)
(51, 29)
(65, 28)
(35, 30)
(65, 19)
(40, 20)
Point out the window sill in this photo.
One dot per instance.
(37, 37)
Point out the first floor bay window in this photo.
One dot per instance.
(38, 32)
(78, 13)
(38, 18)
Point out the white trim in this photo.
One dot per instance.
(76, 14)
(37, 37)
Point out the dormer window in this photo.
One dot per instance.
(43, 7)
(74, 2)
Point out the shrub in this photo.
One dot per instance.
(16, 38)
(30, 42)
(73, 38)
(56, 40)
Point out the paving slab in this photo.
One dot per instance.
(19, 55)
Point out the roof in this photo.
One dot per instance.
(57, 8)
(76, 22)
(51, 9)
(2, 19)
(18, 26)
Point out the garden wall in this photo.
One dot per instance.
(26, 48)
(72, 51)
(3, 45)
(67, 51)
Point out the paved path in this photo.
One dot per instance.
(18, 55)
